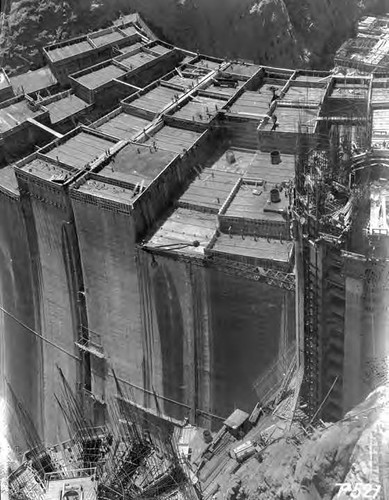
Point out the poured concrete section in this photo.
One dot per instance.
(246, 330)
(46, 170)
(304, 95)
(34, 81)
(4, 83)
(242, 161)
(252, 201)
(258, 249)
(261, 167)
(289, 119)
(20, 350)
(107, 251)
(200, 109)
(107, 37)
(256, 165)
(173, 139)
(207, 64)
(79, 150)
(135, 61)
(131, 47)
(353, 343)
(65, 107)
(184, 226)
(312, 79)
(51, 239)
(209, 190)
(123, 125)
(181, 81)
(6, 90)
(16, 113)
(8, 180)
(101, 76)
(159, 49)
(252, 103)
(135, 163)
(129, 30)
(155, 100)
(69, 49)
(175, 327)
(225, 91)
(107, 191)
(242, 69)
(124, 20)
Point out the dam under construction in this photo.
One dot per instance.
(185, 243)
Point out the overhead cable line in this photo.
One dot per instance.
(38, 334)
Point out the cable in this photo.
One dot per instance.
(39, 335)
(110, 374)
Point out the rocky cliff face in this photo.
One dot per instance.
(351, 452)
(290, 33)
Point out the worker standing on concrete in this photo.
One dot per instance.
(275, 124)
(275, 96)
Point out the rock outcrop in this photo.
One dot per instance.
(286, 33)
(351, 451)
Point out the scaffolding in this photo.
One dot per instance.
(129, 458)
(323, 208)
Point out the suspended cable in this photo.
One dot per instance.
(53, 344)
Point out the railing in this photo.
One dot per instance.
(96, 432)
(90, 341)
(73, 474)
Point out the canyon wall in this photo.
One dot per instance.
(289, 33)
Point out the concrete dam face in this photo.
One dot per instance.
(21, 351)
(153, 248)
(195, 339)
(213, 337)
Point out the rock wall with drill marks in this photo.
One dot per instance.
(20, 350)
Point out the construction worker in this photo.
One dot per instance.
(275, 124)
(274, 97)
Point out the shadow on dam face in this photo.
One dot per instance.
(247, 323)
(20, 350)
(171, 327)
